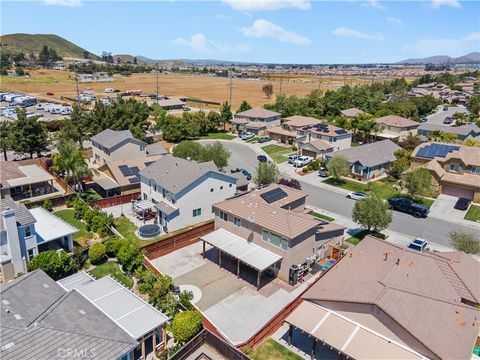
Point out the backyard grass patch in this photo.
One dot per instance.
(272, 350)
(473, 214)
(113, 269)
(321, 216)
(81, 237)
(219, 136)
(354, 240)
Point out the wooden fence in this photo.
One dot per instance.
(178, 241)
(46, 164)
(115, 200)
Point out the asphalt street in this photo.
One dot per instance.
(434, 230)
(437, 117)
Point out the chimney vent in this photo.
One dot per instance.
(398, 261)
(385, 257)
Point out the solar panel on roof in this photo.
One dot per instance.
(133, 180)
(125, 170)
(135, 170)
(341, 131)
(422, 152)
(273, 195)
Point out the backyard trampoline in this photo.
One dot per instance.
(149, 230)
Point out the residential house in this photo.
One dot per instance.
(455, 168)
(110, 145)
(274, 221)
(256, 120)
(183, 191)
(286, 133)
(172, 103)
(26, 180)
(396, 127)
(369, 161)
(43, 321)
(352, 112)
(141, 321)
(464, 132)
(384, 301)
(320, 139)
(24, 233)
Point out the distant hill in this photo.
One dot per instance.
(472, 58)
(35, 42)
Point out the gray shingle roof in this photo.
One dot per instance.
(21, 212)
(40, 320)
(156, 149)
(109, 138)
(377, 153)
(175, 174)
(457, 130)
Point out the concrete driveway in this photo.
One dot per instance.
(443, 208)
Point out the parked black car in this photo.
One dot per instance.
(262, 158)
(462, 204)
(408, 206)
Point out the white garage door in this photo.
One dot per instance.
(457, 191)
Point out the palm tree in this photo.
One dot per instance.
(70, 163)
(411, 141)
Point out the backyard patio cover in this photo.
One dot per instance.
(50, 227)
(345, 335)
(241, 249)
(144, 204)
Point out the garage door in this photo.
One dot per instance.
(457, 191)
(306, 152)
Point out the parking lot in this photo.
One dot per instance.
(233, 305)
(31, 111)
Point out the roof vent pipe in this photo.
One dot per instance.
(386, 257)
(398, 261)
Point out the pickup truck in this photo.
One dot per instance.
(409, 207)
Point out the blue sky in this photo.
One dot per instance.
(290, 31)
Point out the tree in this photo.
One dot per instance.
(96, 253)
(27, 135)
(130, 255)
(188, 149)
(47, 205)
(85, 54)
(217, 153)
(473, 105)
(417, 182)
(55, 264)
(75, 127)
(372, 213)
(410, 142)
(5, 138)
(159, 294)
(293, 183)
(266, 173)
(401, 164)
(225, 114)
(19, 71)
(186, 325)
(441, 136)
(338, 166)
(244, 106)
(268, 90)
(465, 241)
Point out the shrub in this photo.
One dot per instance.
(315, 165)
(185, 297)
(466, 242)
(112, 246)
(186, 325)
(47, 205)
(146, 279)
(96, 253)
(79, 257)
(55, 264)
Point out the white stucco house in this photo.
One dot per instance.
(183, 191)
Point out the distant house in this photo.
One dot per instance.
(455, 168)
(171, 103)
(352, 112)
(111, 145)
(273, 220)
(41, 320)
(183, 191)
(470, 131)
(287, 132)
(320, 139)
(256, 120)
(141, 321)
(370, 160)
(384, 301)
(396, 127)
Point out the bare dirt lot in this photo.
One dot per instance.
(62, 84)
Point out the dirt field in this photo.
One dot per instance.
(62, 84)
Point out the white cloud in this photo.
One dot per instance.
(393, 20)
(449, 3)
(267, 5)
(223, 17)
(451, 47)
(200, 43)
(347, 32)
(71, 3)
(374, 4)
(265, 29)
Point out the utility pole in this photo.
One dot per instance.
(231, 84)
(156, 68)
(76, 82)
(281, 81)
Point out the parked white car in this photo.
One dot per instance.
(302, 161)
(356, 195)
(292, 158)
(247, 135)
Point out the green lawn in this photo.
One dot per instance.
(360, 235)
(113, 269)
(271, 350)
(81, 237)
(321, 216)
(473, 214)
(252, 140)
(272, 148)
(279, 154)
(219, 136)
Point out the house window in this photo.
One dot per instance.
(223, 216)
(30, 254)
(237, 222)
(455, 167)
(229, 185)
(275, 240)
(197, 212)
(28, 231)
(154, 187)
